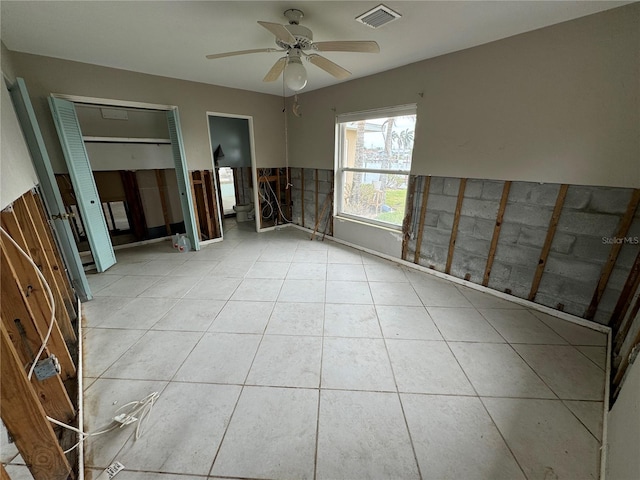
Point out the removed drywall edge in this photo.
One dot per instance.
(520, 301)
(604, 444)
(79, 373)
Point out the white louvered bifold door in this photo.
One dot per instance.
(184, 185)
(84, 186)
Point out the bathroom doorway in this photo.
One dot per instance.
(232, 150)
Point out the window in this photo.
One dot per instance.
(373, 164)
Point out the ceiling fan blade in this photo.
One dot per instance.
(280, 31)
(273, 74)
(329, 67)
(362, 46)
(242, 52)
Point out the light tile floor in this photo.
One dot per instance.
(277, 357)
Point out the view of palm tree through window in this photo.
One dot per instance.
(374, 164)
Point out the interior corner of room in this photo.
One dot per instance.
(519, 176)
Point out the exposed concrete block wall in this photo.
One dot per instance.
(305, 210)
(588, 222)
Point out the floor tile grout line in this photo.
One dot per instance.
(486, 410)
(315, 456)
(383, 337)
(558, 396)
(242, 387)
(168, 382)
(395, 381)
(588, 357)
(513, 455)
(397, 392)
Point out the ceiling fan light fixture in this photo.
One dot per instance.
(295, 75)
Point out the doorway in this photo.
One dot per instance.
(232, 152)
(125, 166)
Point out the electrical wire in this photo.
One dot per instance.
(264, 196)
(138, 413)
(278, 204)
(268, 205)
(52, 320)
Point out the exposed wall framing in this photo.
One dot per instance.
(309, 192)
(274, 196)
(26, 312)
(205, 202)
(137, 205)
(574, 248)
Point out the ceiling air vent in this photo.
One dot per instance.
(378, 16)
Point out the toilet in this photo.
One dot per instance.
(244, 213)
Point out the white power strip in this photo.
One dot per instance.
(111, 471)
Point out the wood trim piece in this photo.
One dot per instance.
(408, 216)
(37, 252)
(208, 184)
(205, 204)
(23, 415)
(3, 473)
(454, 228)
(423, 213)
(27, 339)
(546, 248)
(624, 300)
(196, 214)
(34, 296)
(316, 192)
(161, 182)
(607, 268)
(496, 232)
(302, 194)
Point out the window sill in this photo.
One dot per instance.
(369, 223)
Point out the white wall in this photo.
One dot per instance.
(623, 456)
(46, 75)
(17, 174)
(378, 239)
(559, 105)
(129, 156)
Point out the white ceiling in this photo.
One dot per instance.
(171, 38)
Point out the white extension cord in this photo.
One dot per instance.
(138, 412)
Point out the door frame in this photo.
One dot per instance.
(109, 102)
(254, 169)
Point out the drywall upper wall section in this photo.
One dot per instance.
(136, 124)
(7, 63)
(560, 104)
(232, 134)
(17, 175)
(46, 75)
(129, 156)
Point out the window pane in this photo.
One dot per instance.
(379, 143)
(377, 196)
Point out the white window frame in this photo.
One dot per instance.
(340, 154)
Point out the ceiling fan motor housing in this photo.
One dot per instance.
(303, 36)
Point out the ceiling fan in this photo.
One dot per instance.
(296, 41)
